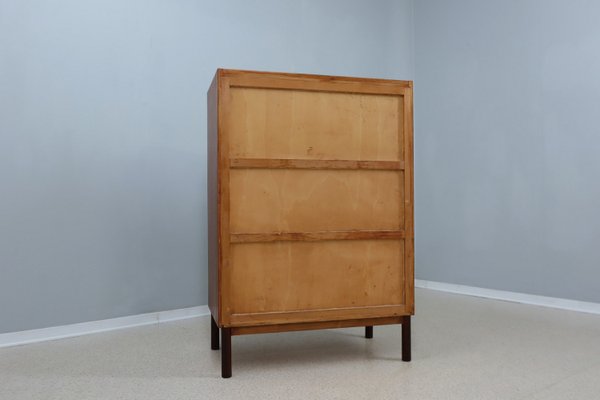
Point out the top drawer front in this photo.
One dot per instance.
(281, 123)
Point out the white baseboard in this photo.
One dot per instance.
(544, 301)
(85, 328)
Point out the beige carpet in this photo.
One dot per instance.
(463, 348)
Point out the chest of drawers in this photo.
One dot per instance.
(310, 204)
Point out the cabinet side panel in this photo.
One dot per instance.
(213, 200)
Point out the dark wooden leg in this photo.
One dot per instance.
(369, 332)
(406, 356)
(214, 334)
(226, 352)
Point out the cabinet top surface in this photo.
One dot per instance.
(221, 72)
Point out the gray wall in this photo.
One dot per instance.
(507, 98)
(103, 131)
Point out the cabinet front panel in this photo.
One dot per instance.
(294, 276)
(276, 123)
(283, 200)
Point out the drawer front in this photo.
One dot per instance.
(309, 276)
(285, 200)
(314, 125)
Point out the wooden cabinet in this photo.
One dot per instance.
(310, 204)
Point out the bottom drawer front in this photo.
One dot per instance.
(299, 276)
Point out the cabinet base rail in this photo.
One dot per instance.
(228, 332)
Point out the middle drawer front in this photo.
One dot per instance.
(296, 200)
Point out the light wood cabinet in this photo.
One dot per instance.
(310, 204)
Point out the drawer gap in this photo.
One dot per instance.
(316, 236)
(297, 163)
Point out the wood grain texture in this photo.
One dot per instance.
(314, 236)
(245, 330)
(283, 79)
(294, 276)
(307, 82)
(408, 196)
(321, 315)
(264, 200)
(312, 186)
(282, 124)
(224, 197)
(213, 198)
(283, 163)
